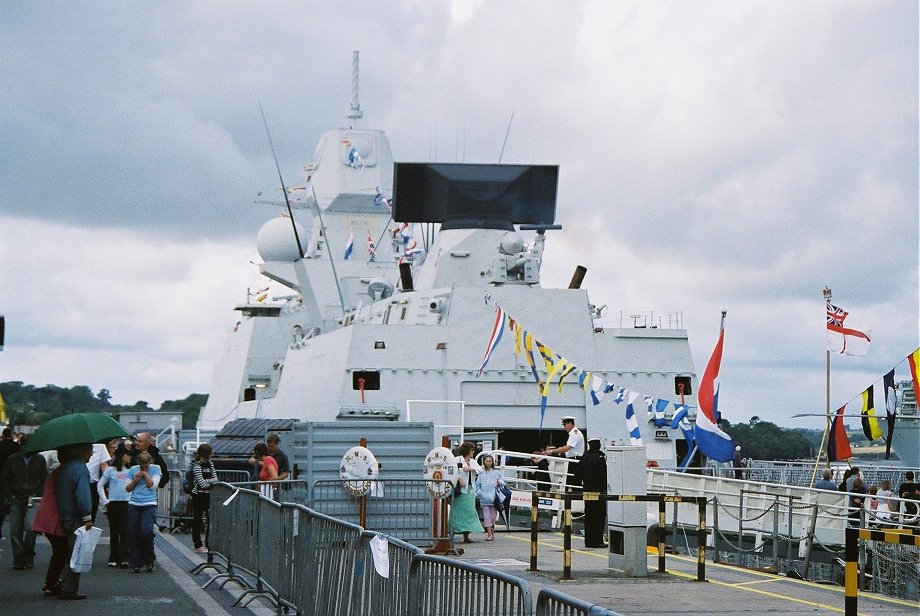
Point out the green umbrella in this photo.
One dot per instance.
(72, 429)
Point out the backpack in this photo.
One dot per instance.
(188, 482)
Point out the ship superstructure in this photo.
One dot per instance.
(394, 327)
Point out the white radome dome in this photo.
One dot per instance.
(275, 241)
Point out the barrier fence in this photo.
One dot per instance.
(302, 560)
(853, 572)
(661, 499)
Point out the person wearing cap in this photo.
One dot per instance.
(736, 462)
(574, 447)
(593, 467)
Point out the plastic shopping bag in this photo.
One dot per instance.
(82, 559)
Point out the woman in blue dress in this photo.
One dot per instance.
(463, 516)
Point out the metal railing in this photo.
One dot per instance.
(297, 558)
(551, 602)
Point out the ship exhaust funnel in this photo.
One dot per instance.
(405, 276)
(578, 277)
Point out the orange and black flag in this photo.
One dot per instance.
(838, 445)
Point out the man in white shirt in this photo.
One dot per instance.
(573, 449)
(575, 446)
(100, 455)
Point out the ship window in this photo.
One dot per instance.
(371, 379)
(249, 394)
(682, 385)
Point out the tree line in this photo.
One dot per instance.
(28, 405)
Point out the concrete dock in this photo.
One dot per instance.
(171, 589)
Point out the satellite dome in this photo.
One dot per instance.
(275, 240)
(511, 244)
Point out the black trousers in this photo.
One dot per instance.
(595, 521)
(201, 502)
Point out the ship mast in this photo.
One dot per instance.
(356, 113)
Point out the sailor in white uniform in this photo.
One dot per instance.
(575, 446)
(573, 449)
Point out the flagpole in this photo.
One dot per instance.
(827, 398)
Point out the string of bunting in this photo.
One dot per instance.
(557, 368)
(880, 396)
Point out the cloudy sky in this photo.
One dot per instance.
(714, 155)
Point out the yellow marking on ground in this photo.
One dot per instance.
(762, 592)
(754, 582)
(768, 577)
(813, 585)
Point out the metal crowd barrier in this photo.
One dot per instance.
(551, 602)
(174, 506)
(404, 508)
(447, 587)
(300, 559)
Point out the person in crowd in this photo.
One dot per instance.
(113, 496)
(142, 511)
(205, 476)
(909, 490)
(267, 465)
(8, 447)
(266, 468)
(851, 480)
(463, 516)
(845, 480)
(23, 477)
(94, 466)
(48, 523)
(145, 443)
(487, 483)
(857, 500)
(111, 447)
(273, 441)
(883, 503)
(737, 462)
(75, 509)
(573, 449)
(826, 483)
(870, 503)
(594, 479)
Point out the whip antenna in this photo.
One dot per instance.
(502, 153)
(281, 179)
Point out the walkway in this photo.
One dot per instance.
(169, 589)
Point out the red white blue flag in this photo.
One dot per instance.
(712, 441)
(497, 330)
(846, 335)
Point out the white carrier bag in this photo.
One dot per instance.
(82, 559)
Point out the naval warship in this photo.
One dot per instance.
(397, 273)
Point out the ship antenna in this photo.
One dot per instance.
(281, 179)
(507, 132)
(322, 225)
(356, 113)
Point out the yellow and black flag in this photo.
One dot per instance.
(869, 421)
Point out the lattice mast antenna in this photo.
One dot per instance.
(356, 113)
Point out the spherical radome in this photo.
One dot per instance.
(275, 240)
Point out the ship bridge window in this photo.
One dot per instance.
(682, 386)
(365, 379)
